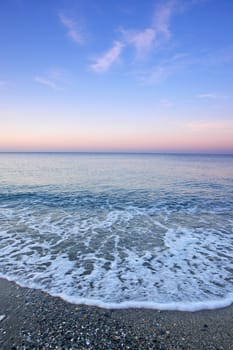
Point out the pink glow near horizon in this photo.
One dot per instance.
(131, 76)
(190, 139)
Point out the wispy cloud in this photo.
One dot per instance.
(73, 31)
(164, 69)
(148, 38)
(163, 16)
(202, 126)
(143, 40)
(4, 84)
(156, 75)
(52, 79)
(180, 62)
(105, 61)
(47, 82)
(211, 96)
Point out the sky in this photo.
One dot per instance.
(125, 75)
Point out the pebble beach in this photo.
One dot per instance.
(32, 319)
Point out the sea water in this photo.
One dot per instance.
(119, 230)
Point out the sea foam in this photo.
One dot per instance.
(155, 242)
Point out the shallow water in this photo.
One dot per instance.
(119, 230)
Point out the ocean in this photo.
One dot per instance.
(119, 230)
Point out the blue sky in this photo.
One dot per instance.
(120, 75)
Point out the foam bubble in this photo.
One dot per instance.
(119, 231)
(163, 254)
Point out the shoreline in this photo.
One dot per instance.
(32, 319)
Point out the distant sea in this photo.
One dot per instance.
(119, 230)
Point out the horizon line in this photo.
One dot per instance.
(118, 152)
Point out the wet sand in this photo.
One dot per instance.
(32, 319)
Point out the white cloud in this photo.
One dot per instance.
(54, 78)
(105, 61)
(162, 18)
(146, 39)
(45, 81)
(211, 96)
(73, 32)
(160, 72)
(143, 40)
(178, 56)
(202, 126)
(157, 75)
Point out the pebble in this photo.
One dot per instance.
(48, 323)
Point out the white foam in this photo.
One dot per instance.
(2, 317)
(159, 258)
(172, 306)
